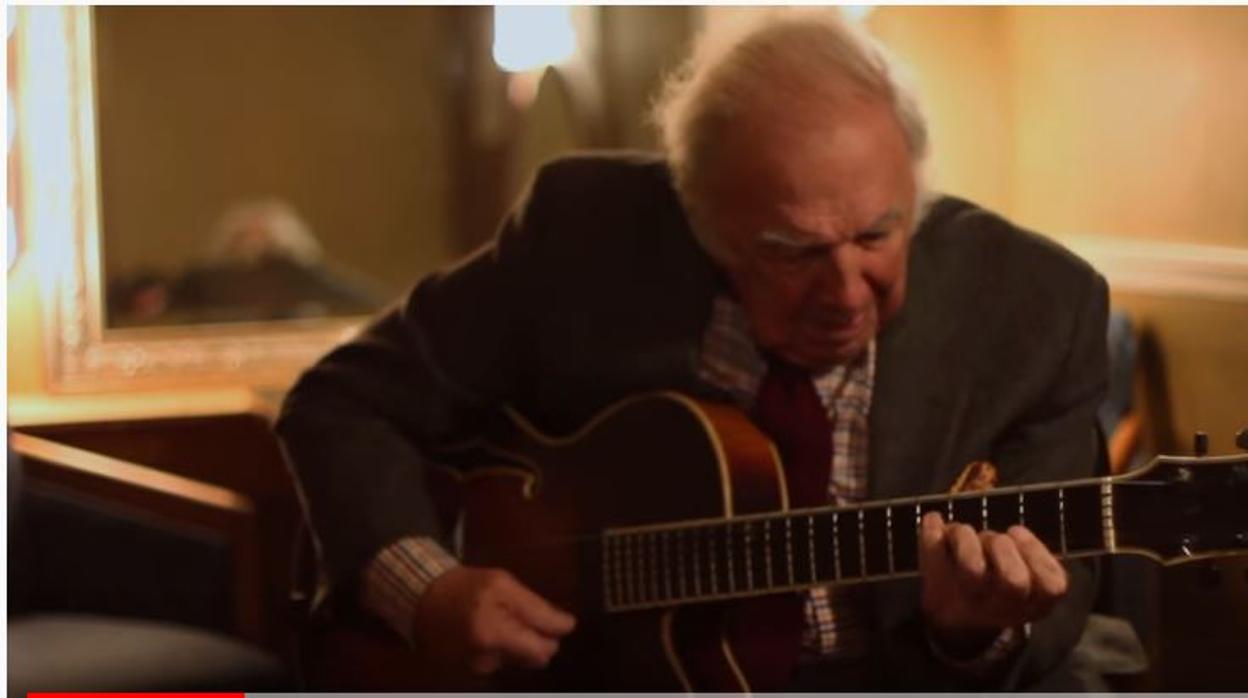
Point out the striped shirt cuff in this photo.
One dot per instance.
(1002, 648)
(395, 579)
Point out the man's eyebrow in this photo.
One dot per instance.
(889, 217)
(787, 239)
(779, 236)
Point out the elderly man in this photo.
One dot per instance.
(784, 247)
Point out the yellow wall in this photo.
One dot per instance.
(1129, 123)
(1132, 121)
(960, 63)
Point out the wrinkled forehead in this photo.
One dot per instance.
(847, 166)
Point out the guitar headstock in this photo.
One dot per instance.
(1184, 508)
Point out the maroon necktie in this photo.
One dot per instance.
(789, 410)
(766, 632)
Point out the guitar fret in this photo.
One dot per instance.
(621, 559)
(1061, 516)
(643, 568)
(767, 550)
(749, 557)
(652, 567)
(788, 547)
(639, 568)
(697, 568)
(732, 582)
(665, 567)
(810, 540)
(949, 509)
(714, 571)
(918, 531)
(862, 543)
(836, 542)
(1022, 512)
(1107, 517)
(681, 546)
(608, 580)
(619, 577)
(888, 522)
(983, 513)
(633, 565)
(642, 587)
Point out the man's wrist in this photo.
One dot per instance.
(396, 579)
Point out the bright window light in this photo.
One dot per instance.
(527, 37)
(857, 13)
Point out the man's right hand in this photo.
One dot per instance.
(480, 619)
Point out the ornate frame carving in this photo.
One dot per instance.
(81, 353)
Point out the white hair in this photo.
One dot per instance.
(799, 58)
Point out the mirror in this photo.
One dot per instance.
(246, 184)
(223, 193)
(261, 164)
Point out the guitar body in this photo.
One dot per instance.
(536, 506)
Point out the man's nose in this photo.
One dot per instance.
(842, 281)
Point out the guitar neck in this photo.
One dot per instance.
(686, 562)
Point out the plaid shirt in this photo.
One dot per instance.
(399, 574)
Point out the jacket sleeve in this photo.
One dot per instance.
(1059, 441)
(357, 426)
(1055, 440)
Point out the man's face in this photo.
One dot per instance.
(813, 212)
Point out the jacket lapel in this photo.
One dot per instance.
(922, 393)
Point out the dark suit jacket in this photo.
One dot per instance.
(596, 289)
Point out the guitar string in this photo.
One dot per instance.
(611, 576)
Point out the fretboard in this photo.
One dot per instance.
(677, 563)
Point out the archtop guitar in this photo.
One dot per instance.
(664, 525)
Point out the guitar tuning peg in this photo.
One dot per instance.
(1186, 544)
(1241, 438)
(1200, 444)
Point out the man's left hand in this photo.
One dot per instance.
(977, 583)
